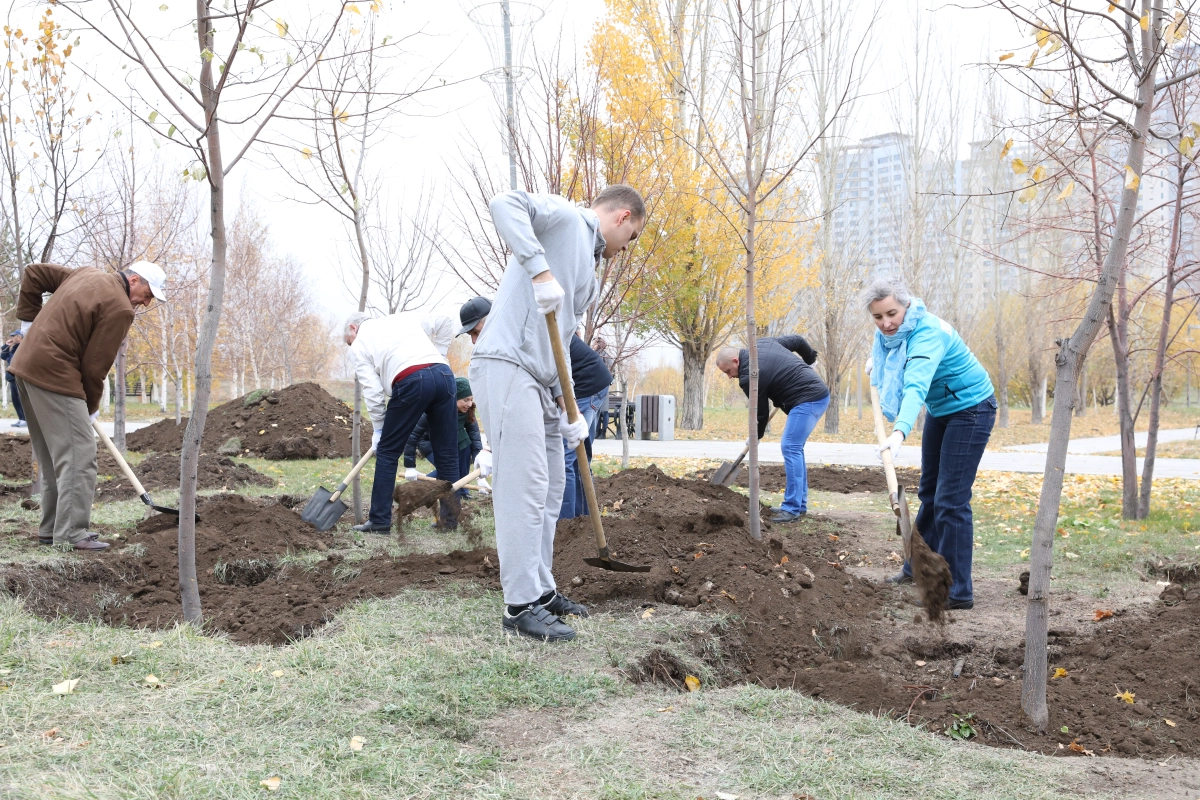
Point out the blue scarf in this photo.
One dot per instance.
(888, 357)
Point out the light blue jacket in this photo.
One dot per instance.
(940, 372)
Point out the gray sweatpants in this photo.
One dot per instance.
(65, 446)
(521, 421)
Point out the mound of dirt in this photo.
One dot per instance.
(16, 459)
(694, 537)
(261, 422)
(245, 592)
(162, 471)
(827, 478)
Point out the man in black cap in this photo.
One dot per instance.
(472, 314)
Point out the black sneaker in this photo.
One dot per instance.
(787, 516)
(900, 579)
(536, 622)
(560, 606)
(367, 527)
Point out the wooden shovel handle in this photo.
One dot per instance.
(585, 469)
(349, 477)
(889, 468)
(112, 448)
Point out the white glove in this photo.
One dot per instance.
(24, 326)
(483, 463)
(574, 432)
(411, 474)
(870, 366)
(549, 296)
(375, 437)
(893, 444)
(484, 486)
(95, 415)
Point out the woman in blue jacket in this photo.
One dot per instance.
(918, 359)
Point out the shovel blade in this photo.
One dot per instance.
(722, 474)
(613, 566)
(320, 513)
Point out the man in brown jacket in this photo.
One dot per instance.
(70, 345)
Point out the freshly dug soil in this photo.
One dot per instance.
(827, 478)
(931, 574)
(246, 594)
(301, 411)
(162, 471)
(16, 459)
(411, 495)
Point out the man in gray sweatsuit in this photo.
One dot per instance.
(556, 247)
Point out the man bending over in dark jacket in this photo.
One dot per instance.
(795, 388)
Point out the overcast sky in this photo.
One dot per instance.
(425, 145)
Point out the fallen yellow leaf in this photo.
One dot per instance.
(153, 681)
(692, 683)
(1126, 695)
(647, 613)
(1059, 672)
(1101, 613)
(258, 668)
(277, 673)
(356, 743)
(665, 710)
(272, 783)
(66, 687)
(1169, 723)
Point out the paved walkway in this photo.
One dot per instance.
(863, 455)
(1107, 444)
(6, 426)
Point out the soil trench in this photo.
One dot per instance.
(161, 471)
(300, 421)
(827, 478)
(797, 614)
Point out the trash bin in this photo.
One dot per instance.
(654, 413)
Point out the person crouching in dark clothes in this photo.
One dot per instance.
(469, 440)
(796, 389)
(591, 378)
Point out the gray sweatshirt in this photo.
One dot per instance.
(544, 232)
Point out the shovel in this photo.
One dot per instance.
(129, 475)
(895, 490)
(324, 509)
(729, 471)
(605, 560)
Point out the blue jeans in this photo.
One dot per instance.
(800, 423)
(951, 448)
(464, 468)
(574, 500)
(15, 395)
(428, 391)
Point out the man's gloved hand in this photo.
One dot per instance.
(574, 432)
(375, 437)
(483, 463)
(484, 486)
(893, 444)
(24, 326)
(411, 474)
(549, 296)
(95, 415)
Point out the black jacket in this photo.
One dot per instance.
(589, 374)
(783, 379)
(7, 352)
(418, 442)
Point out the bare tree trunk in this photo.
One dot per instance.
(1118, 334)
(858, 376)
(1001, 363)
(178, 397)
(1037, 388)
(189, 461)
(119, 398)
(752, 346)
(1081, 389)
(695, 359)
(1069, 360)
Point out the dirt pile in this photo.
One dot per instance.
(827, 478)
(16, 459)
(798, 606)
(245, 590)
(262, 422)
(161, 471)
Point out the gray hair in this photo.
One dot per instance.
(356, 319)
(883, 288)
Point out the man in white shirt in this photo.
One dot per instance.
(403, 375)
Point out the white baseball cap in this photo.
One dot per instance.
(154, 276)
